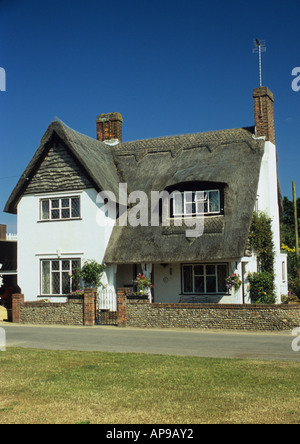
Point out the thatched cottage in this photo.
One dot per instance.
(82, 198)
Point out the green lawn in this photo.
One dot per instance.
(58, 387)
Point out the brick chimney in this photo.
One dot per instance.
(264, 113)
(109, 127)
(3, 229)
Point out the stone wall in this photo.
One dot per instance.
(213, 316)
(52, 313)
(81, 311)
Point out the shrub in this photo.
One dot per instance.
(261, 240)
(91, 274)
(295, 286)
(262, 288)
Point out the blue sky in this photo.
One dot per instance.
(169, 67)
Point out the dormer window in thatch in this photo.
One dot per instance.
(197, 199)
(196, 203)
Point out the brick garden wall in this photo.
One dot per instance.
(141, 314)
(213, 316)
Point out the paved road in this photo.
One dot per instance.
(225, 344)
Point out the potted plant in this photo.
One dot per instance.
(90, 275)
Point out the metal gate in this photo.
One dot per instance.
(106, 307)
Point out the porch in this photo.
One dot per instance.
(188, 282)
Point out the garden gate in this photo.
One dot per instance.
(106, 307)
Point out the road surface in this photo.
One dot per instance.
(202, 343)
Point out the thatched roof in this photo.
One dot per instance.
(94, 158)
(231, 157)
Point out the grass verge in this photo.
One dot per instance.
(59, 387)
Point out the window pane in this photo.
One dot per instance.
(199, 270)
(189, 208)
(210, 269)
(55, 214)
(214, 201)
(65, 214)
(188, 196)
(75, 265)
(222, 275)
(199, 284)
(75, 280)
(66, 283)
(55, 265)
(178, 203)
(188, 279)
(211, 284)
(75, 204)
(46, 277)
(200, 202)
(55, 203)
(45, 210)
(55, 283)
(66, 265)
(65, 203)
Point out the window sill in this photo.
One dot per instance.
(46, 296)
(59, 220)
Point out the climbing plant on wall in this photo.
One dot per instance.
(262, 285)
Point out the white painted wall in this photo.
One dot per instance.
(85, 239)
(268, 202)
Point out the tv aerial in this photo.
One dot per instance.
(259, 47)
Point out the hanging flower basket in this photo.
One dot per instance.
(233, 281)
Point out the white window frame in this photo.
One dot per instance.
(205, 275)
(60, 208)
(197, 199)
(59, 271)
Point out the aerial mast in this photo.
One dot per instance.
(259, 47)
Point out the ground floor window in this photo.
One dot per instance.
(204, 278)
(56, 276)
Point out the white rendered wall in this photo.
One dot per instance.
(268, 202)
(71, 239)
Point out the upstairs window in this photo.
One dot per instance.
(60, 208)
(194, 203)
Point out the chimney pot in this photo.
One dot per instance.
(109, 127)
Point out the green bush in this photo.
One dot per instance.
(262, 288)
(261, 240)
(295, 286)
(91, 274)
